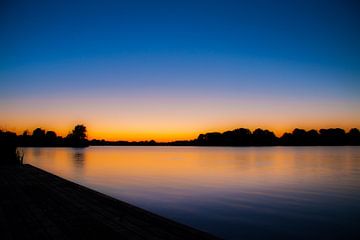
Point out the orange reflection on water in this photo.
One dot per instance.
(224, 190)
(203, 169)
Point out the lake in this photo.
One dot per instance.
(231, 192)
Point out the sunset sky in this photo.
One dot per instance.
(168, 70)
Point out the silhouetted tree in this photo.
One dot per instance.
(264, 138)
(200, 140)
(25, 139)
(353, 137)
(300, 137)
(312, 137)
(286, 139)
(38, 133)
(152, 143)
(78, 137)
(237, 137)
(210, 139)
(51, 138)
(38, 137)
(332, 136)
(213, 139)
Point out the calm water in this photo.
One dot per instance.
(247, 193)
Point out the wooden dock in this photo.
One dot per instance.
(35, 204)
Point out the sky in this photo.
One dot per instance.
(169, 70)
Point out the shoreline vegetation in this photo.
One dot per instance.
(238, 137)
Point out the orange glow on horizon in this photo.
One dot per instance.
(117, 135)
(163, 119)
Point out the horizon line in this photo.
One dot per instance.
(19, 133)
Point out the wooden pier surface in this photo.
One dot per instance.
(35, 204)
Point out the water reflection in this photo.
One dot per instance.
(37, 152)
(78, 156)
(249, 193)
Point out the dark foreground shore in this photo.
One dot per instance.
(35, 204)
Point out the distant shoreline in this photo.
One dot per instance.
(240, 137)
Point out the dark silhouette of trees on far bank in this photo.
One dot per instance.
(260, 137)
(10, 154)
(42, 138)
(237, 137)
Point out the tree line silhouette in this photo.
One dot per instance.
(237, 137)
(42, 138)
(298, 137)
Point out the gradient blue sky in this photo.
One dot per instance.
(172, 69)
